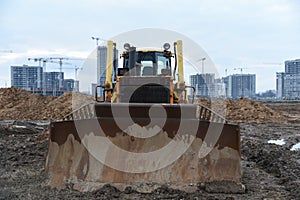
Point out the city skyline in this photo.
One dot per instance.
(35, 80)
(208, 85)
(235, 34)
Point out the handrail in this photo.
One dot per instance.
(210, 115)
(83, 112)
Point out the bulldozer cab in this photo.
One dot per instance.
(147, 76)
(150, 63)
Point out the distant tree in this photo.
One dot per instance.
(267, 94)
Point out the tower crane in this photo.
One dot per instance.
(259, 65)
(265, 65)
(40, 60)
(76, 71)
(274, 63)
(255, 66)
(97, 39)
(240, 68)
(60, 62)
(44, 61)
(76, 68)
(5, 51)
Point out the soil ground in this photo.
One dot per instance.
(270, 171)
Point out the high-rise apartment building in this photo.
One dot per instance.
(33, 79)
(207, 86)
(240, 85)
(101, 65)
(288, 82)
(27, 77)
(70, 85)
(52, 83)
(292, 66)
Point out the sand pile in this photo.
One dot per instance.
(64, 104)
(243, 110)
(19, 104)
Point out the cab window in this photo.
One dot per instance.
(163, 65)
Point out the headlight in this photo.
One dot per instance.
(126, 46)
(166, 46)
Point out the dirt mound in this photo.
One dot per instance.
(243, 110)
(64, 104)
(19, 104)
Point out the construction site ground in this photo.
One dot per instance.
(270, 171)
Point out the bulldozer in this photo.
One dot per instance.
(146, 131)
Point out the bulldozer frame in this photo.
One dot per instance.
(113, 141)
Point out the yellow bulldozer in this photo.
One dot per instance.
(145, 132)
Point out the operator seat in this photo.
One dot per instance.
(147, 71)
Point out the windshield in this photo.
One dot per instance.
(151, 64)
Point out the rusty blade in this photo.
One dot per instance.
(70, 159)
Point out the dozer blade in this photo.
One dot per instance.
(143, 146)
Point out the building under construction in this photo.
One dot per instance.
(33, 79)
(233, 86)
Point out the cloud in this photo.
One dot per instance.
(229, 30)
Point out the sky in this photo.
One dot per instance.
(256, 35)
